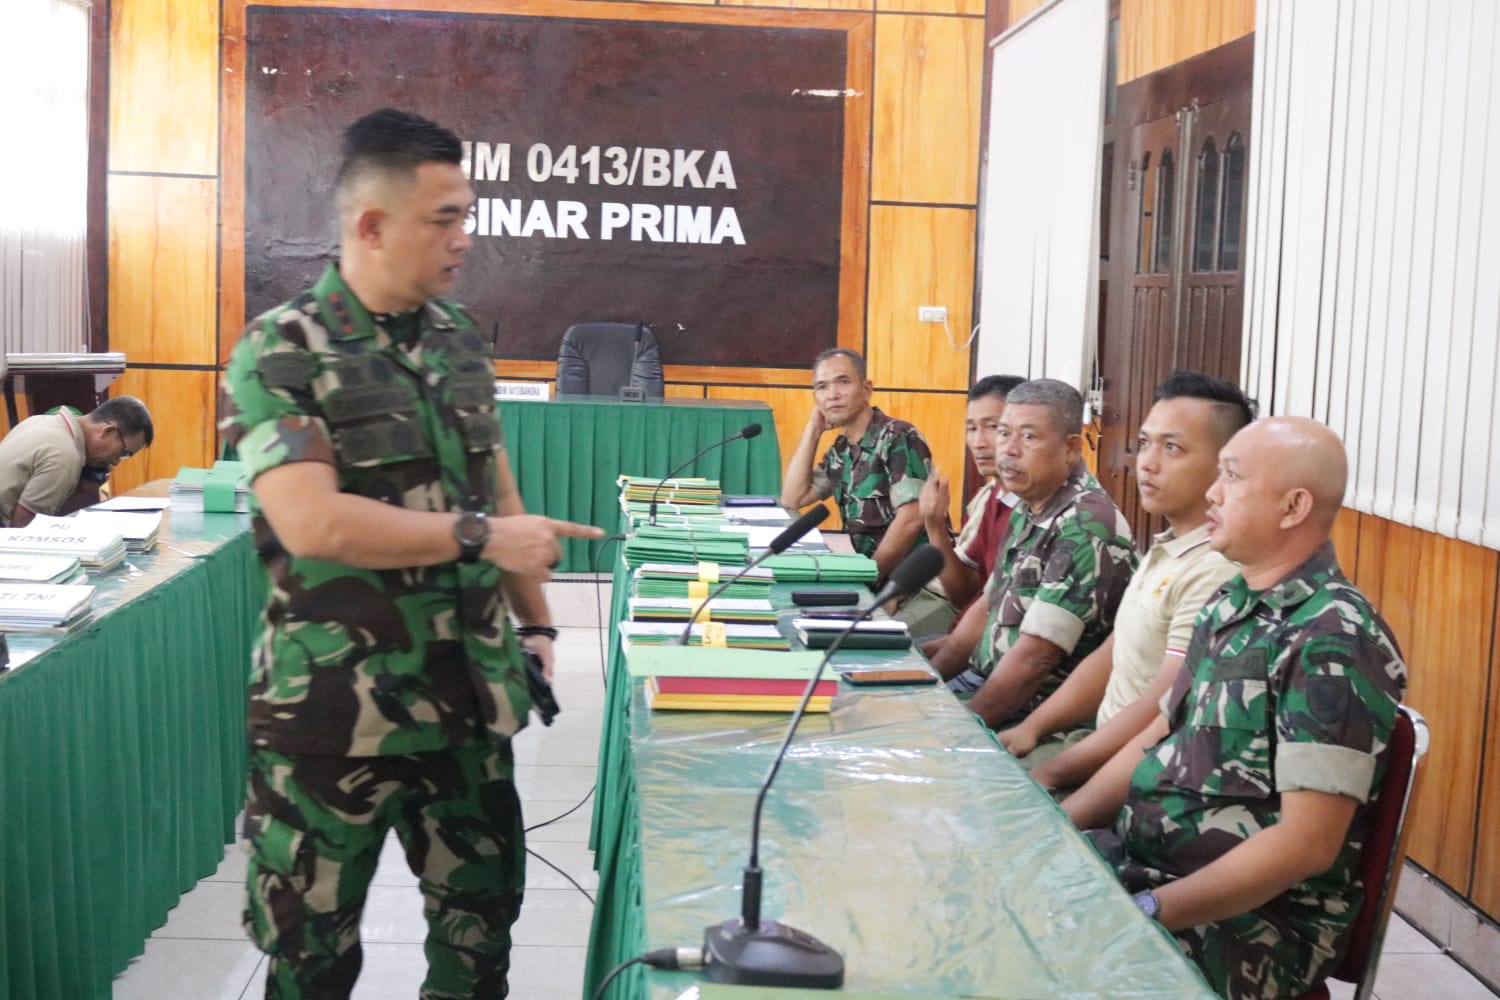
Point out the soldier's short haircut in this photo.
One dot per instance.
(393, 142)
(999, 386)
(1059, 397)
(1232, 409)
(842, 352)
(128, 414)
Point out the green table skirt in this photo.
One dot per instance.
(566, 454)
(122, 757)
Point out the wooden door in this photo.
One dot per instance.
(1184, 220)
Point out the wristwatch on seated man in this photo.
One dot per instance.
(1148, 903)
(472, 532)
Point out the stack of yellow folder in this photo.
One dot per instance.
(709, 679)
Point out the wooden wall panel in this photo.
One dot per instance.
(163, 276)
(1022, 8)
(678, 391)
(182, 411)
(1486, 880)
(1346, 541)
(928, 74)
(904, 353)
(940, 418)
(1157, 33)
(972, 8)
(1438, 595)
(164, 86)
(801, 4)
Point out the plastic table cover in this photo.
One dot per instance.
(898, 831)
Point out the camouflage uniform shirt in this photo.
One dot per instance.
(1059, 576)
(870, 482)
(1290, 688)
(363, 662)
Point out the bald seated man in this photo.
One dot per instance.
(1238, 817)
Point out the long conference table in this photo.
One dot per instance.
(122, 758)
(898, 831)
(566, 452)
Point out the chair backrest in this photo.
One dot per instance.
(1385, 849)
(597, 359)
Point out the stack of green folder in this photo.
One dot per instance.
(685, 545)
(822, 567)
(694, 491)
(721, 609)
(665, 511)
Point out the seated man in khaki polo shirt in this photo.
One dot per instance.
(43, 458)
(1120, 683)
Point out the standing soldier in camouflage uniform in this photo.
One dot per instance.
(876, 483)
(1066, 561)
(388, 681)
(1242, 827)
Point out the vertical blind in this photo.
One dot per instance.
(1373, 288)
(1040, 212)
(44, 65)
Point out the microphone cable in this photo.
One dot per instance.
(603, 670)
(657, 958)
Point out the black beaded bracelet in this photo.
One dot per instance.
(529, 630)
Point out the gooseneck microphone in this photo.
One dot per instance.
(747, 432)
(779, 544)
(755, 952)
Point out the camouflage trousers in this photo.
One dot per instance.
(1253, 956)
(316, 825)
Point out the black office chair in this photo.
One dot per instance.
(598, 359)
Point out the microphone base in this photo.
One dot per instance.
(771, 955)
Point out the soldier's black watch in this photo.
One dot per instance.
(472, 531)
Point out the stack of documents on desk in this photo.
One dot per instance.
(685, 580)
(640, 511)
(668, 633)
(822, 567)
(98, 548)
(819, 633)
(221, 489)
(713, 679)
(687, 491)
(43, 607)
(21, 568)
(140, 528)
(685, 545)
(739, 610)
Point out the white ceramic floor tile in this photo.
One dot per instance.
(575, 859)
(1401, 938)
(553, 916)
(1418, 977)
(393, 915)
(392, 869)
(554, 781)
(1338, 990)
(233, 867)
(390, 972)
(210, 911)
(546, 973)
(185, 969)
(576, 747)
(572, 828)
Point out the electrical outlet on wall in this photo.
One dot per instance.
(932, 314)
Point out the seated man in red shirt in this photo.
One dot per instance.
(969, 559)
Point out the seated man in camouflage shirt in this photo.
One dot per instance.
(1062, 568)
(876, 482)
(1241, 828)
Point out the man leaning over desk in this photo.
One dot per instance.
(1240, 813)
(874, 469)
(44, 458)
